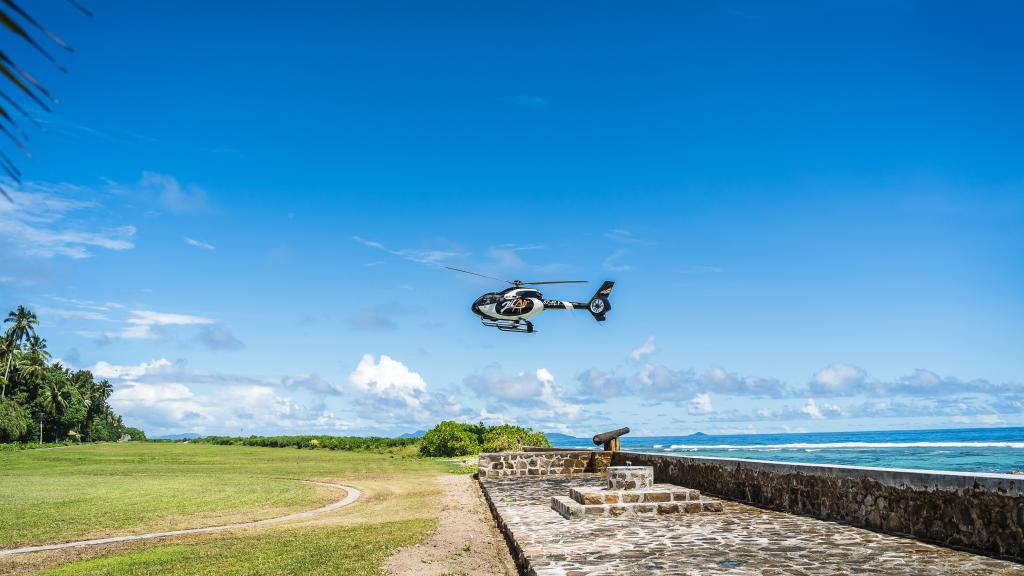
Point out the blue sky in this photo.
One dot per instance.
(814, 213)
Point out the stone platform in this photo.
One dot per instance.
(741, 541)
(584, 502)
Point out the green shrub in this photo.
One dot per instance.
(14, 421)
(134, 433)
(508, 438)
(450, 439)
(348, 443)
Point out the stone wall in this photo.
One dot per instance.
(543, 463)
(978, 512)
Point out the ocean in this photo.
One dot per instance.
(999, 450)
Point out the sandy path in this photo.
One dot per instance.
(465, 542)
(351, 495)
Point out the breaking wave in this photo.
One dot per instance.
(843, 446)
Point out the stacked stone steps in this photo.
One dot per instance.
(657, 500)
(631, 491)
(656, 494)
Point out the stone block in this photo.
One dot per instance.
(616, 510)
(668, 508)
(710, 506)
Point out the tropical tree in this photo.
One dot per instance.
(54, 392)
(31, 367)
(23, 325)
(27, 29)
(65, 403)
(37, 345)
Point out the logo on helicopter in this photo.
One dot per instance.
(518, 306)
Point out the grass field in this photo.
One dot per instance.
(88, 491)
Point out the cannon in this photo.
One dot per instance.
(610, 439)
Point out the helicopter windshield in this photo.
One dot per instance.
(489, 298)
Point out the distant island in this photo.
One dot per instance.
(416, 434)
(558, 436)
(182, 436)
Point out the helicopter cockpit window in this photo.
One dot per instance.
(488, 299)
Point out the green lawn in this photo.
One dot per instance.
(355, 551)
(86, 491)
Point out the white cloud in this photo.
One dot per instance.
(172, 195)
(430, 257)
(142, 323)
(203, 244)
(105, 370)
(492, 384)
(623, 236)
(700, 404)
(390, 379)
(554, 412)
(839, 380)
(657, 381)
(720, 381)
(161, 396)
(601, 384)
(47, 313)
(42, 220)
(643, 350)
(811, 409)
(614, 263)
(174, 407)
(218, 337)
(532, 398)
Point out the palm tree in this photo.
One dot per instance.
(37, 346)
(30, 367)
(24, 27)
(53, 394)
(23, 324)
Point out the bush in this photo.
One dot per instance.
(14, 420)
(349, 443)
(134, 433)
(454, 439)
(450, 439)
(507, 438)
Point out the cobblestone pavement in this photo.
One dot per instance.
(740, 540)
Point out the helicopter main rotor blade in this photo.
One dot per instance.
(480, 275)
(558, 282)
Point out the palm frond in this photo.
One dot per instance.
(23, 25)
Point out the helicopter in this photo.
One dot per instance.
(510, 310)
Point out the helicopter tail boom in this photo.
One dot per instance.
(598, 305)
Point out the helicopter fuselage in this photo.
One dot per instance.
(510, 310)
(518, 304)
(510, 304)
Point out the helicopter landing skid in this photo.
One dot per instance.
(510, 325)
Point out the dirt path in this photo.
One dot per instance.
(351, 495)
(466, 541)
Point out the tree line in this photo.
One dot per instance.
(44, 401)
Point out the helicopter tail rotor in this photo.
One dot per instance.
(599, 304)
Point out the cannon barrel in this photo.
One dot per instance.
(606, 437)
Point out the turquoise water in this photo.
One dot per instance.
(966, 450)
